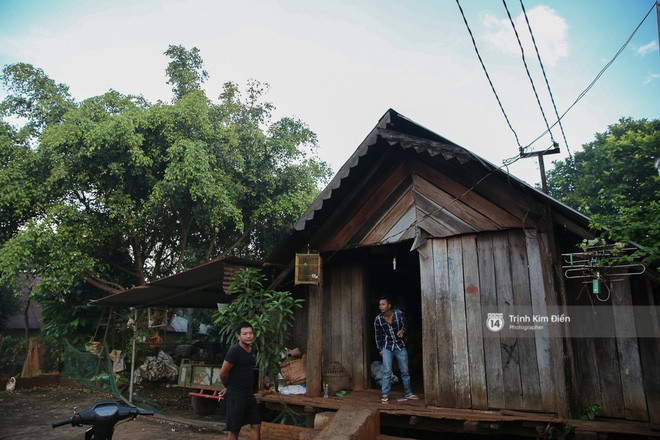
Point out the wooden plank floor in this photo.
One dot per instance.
(473, 420)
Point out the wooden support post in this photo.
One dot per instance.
(352, 423)
(314, 341)
(309, 416)
(104, 344)
(539, 155)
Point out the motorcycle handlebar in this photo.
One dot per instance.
(62, 423)
(103, 414)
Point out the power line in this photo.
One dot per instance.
(584, 92)
(483, 66)
(531, 81)
(547, 82)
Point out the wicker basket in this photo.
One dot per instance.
(336, 377)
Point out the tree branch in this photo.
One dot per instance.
(185, 230)
(240, 239)
(104, 285)
(212, 244)
(137, 255)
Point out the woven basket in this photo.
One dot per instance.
(336, 377)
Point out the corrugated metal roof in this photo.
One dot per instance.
(203, 286)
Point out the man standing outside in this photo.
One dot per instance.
(390, 327)
(237, 375)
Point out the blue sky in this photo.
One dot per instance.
(340, 65)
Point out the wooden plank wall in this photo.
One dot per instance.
(300, 330)
(462, 279)
(345, 321)
(466, 366)
(649, 349)
(610, 370)
(634, 397)
(549, 367)
(474, 323)
(436, 324)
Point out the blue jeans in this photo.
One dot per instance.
(402, 361)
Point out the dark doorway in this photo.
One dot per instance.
(393, 270)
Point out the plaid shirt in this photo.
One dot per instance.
(386, 333)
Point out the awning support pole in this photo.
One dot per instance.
(130, 388)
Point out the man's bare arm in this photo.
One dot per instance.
(224, 372)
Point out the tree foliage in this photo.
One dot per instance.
(271, 314)
(9, 304)
(116, 191)
(614, 181)
(67, 318)
(186, 70)
(34, 96)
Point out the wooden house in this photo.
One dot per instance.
(453, 238)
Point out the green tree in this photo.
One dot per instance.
(15, 204)
(34, 96)
(115, 191)
(9, 304)
(185, 72)
(67, 318)
(271, 314)
(614, 181)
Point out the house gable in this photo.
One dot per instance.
(409, 193)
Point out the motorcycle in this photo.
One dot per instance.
(102, 417)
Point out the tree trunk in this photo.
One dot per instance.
(26, 318)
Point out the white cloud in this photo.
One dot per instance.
(550, 32)
(647, 48)
(651, 77)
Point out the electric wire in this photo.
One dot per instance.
(513, 159)
(483, 66)
(529, 75)
(602, 71)
(545, 76)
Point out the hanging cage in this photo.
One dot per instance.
(308, 269)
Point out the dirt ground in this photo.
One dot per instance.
(28, 413)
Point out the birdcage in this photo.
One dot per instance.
(308, 269)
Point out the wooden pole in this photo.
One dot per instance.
(539, 154)
(544, 182)
(104, 348)
(314, 340)
(130, 387)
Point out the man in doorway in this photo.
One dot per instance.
(390, 327)
(237, 375)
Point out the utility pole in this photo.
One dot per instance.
(539, 154)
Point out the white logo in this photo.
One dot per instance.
(495, 322)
